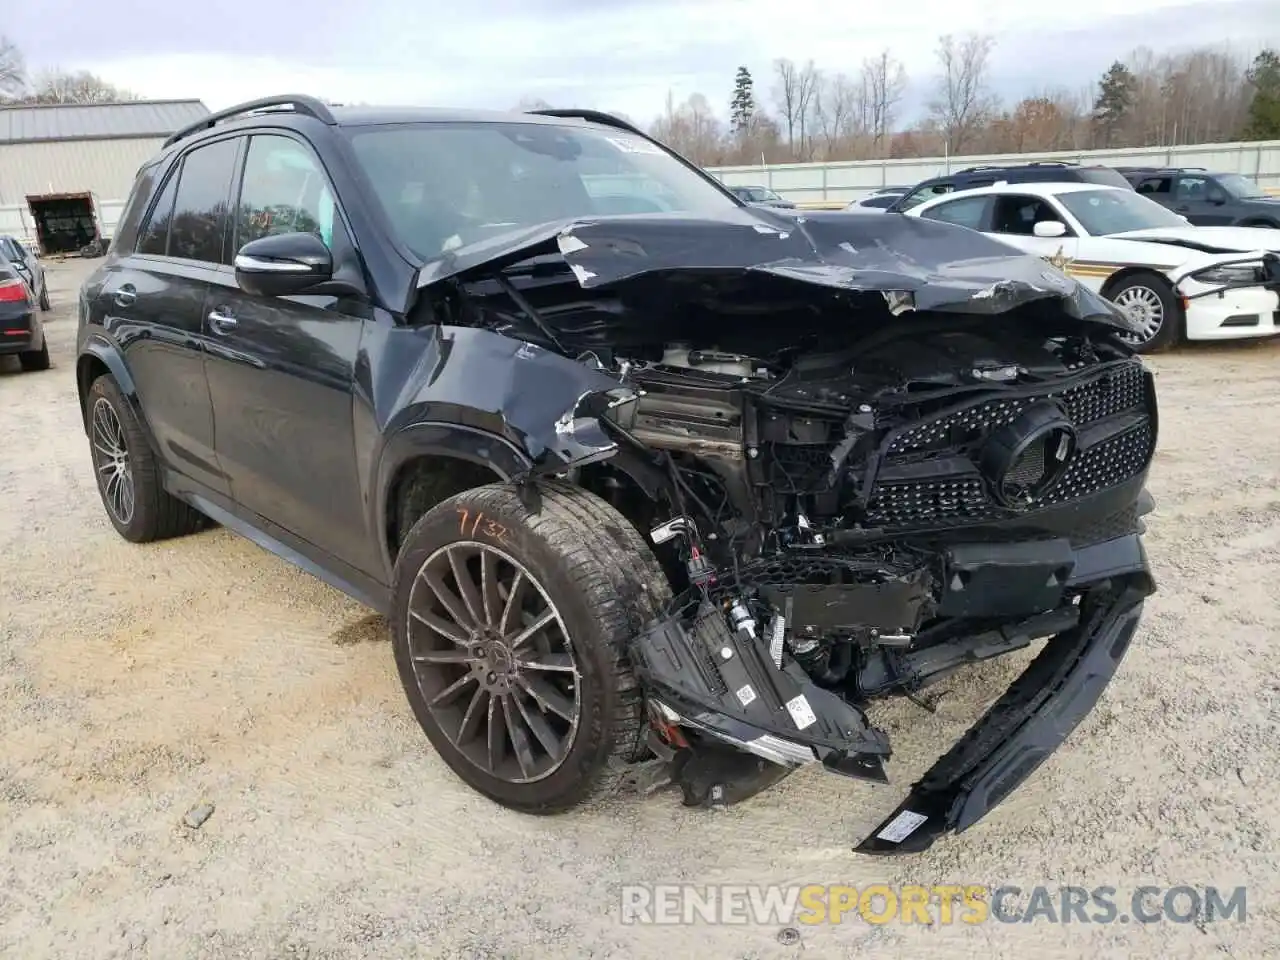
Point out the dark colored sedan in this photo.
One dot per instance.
(28, 266)
(761, 196)
(21, 331)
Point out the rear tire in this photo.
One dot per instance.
(35, 360)
(127, 473)
(1151, 300)
(586, 572)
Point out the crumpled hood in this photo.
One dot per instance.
(917, 264)
(1209, 239)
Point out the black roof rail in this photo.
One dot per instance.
(1016, 166)
(300, 102)
(593, 116)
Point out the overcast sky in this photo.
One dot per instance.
(616, 54)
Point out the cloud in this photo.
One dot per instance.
(622, 55)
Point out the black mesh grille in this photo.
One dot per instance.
(1104, 465)
(1115, 392)
(928, 502)
(933, 502)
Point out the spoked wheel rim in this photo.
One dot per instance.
(111, 458)
(1145, 308)
(494, 662)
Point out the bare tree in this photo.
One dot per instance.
(527, 103)
(885, 81)
(691, 128)
(835, 109)
(13, 69)
(807, 83)
(963, 104)
(786, 97)
(58, 86)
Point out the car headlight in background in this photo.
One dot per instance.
(1231, 273)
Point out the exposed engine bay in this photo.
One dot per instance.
(853, 514)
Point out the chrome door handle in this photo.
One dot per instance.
(125, 295)
(221, 322)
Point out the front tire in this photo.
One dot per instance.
(127, 473)
(510, 629)
(44, 298)
(1150, 299)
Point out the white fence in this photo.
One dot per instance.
(851, 179)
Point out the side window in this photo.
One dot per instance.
(965, 212)
(200, 209)
(1155, 185)
(284, 191)
(153, 237)
(1019, 215)
(1192, 188)
(927, 192)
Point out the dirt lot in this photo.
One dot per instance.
(137, 683)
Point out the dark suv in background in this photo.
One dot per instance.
(1206, 198)
(637, 472)
(1042, 171)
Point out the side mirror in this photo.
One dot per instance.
(1049, 229)
(1217, 198)
(283, 265)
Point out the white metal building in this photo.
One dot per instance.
(66, 169)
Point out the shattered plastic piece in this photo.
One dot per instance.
(899, 301)
(584, 275)
(568, 243)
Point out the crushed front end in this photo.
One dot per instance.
(860, 471)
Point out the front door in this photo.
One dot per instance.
(282, 369)
(151, 303)
(1201, 200)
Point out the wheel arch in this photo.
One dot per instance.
(1126, 273)
(96, 358)
(430, 461)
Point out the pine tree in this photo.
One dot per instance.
(1115, 98)
(743, 105)
(1264, 108)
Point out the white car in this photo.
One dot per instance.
(877, 200)
(1176, 280)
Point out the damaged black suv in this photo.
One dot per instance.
(645, 480)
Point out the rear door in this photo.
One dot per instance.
(282, 369)
(151, 301)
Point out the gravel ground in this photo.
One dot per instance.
(145, 688)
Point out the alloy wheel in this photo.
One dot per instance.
(1145, 308)
(494, 661)
(111, 457)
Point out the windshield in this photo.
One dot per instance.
(1239, 187)
(9, 249)
(1102, 212)
(447, 185)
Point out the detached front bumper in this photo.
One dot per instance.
(1036, 713)
(780, 717)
